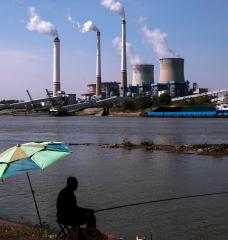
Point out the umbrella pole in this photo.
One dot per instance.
(33, 195)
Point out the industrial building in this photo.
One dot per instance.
(171, 79)
(174, 89)
(108, 89)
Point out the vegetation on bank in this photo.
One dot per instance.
(163, 101)
(141, 103)
(206, 149)
(199, 101)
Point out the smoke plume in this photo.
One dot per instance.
(114, 6)
(133, 58)
(75, 24)
(88, 26)
(159, 42)
(36, 24)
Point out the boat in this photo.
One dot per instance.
(222, 110)
(188, 111)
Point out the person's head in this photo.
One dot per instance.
(72, 183)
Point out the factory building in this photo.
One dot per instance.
(174, 89)
(108, 89)
(197, 90)
(171, 81)
(171, 78)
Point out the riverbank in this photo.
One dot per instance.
(17, 231)
(86, 112)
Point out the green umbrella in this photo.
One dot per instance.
(31, 156)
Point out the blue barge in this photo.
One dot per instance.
(191, 112)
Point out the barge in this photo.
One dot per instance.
(191, 112)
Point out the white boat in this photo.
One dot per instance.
(222, 110)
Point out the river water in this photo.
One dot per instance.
(112, 177)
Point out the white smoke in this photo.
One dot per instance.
(75, 24)
(159, 42)
(133, 58)
(86, 27)
(90, 26)
(114, 6)
(36, 24)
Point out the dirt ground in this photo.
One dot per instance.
(16, 231)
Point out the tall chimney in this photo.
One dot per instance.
(56, 66)
(98, 66)
(123, 83)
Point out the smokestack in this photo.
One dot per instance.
(98, 66)
(56, 66)
(171, 69)
(123, 56)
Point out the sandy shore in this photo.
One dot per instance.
(86, 112)
(99, 111)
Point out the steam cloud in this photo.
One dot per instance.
(75, 24)
(89, 26)
(86, 27)
(114, 6)
(36, 24)
(134, 58)
(159, 42)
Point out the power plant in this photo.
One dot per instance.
(123, 83)
(56, 66)
(98, 66)
(171, 77)
(171, 69)
(142, 74)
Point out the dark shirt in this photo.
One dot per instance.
(66, 204)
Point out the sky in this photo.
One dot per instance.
(195, 30)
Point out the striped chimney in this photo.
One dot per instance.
(56, 66)
(98, 66)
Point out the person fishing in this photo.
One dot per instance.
(68, 212)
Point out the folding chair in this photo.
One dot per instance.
(65, 229)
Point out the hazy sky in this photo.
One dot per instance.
(196, 30)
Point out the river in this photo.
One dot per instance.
(112, 177)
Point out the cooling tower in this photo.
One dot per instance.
(123, 56)
(56, 66)
(142, 74)
(98, 66)
(171, 69)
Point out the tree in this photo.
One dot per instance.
(164, 99)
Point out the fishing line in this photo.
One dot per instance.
(161, 200)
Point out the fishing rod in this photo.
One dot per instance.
(161, 200)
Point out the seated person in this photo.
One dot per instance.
(68, 212)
